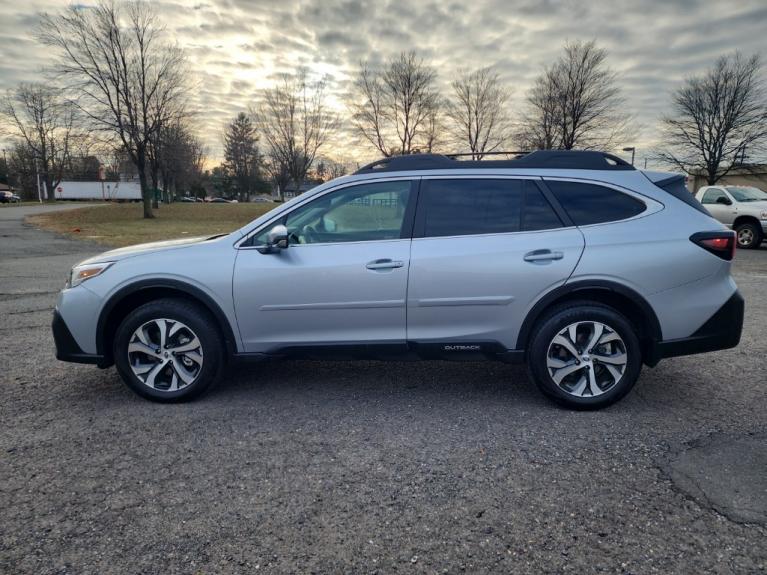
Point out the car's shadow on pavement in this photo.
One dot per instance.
(328, 385)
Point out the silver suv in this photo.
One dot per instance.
(573, 262)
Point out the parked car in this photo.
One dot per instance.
(5, 197)
(573, 262)
(15, 198)
(187, 199)
(222, 201)
(742, 208)
(261, 200)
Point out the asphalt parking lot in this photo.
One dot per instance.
(370, 467)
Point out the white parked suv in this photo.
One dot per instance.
(742, 208)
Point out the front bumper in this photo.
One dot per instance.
(67, 348)
(721, 331)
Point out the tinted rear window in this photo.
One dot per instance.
(593, 204)
(484, 206)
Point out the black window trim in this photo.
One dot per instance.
(651, 204)
(420, 216)
(408, 217)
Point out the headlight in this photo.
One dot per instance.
(764, 215)
(79, 274)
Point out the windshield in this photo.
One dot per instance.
(747, 194)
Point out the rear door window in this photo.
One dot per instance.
(483, 206)
(587, 203)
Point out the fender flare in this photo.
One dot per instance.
(655, 332)
(167, 283)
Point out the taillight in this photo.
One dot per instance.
(721, 244)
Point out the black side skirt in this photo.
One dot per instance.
(433, 350)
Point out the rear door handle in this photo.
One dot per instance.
(543, 256)
(384, 264)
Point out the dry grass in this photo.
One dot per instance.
(120, 225)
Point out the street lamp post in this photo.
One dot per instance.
(633, 150)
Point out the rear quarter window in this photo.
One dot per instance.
(594, 204)
(676, 186)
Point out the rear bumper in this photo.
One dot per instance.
(66, 346)
(721, 331)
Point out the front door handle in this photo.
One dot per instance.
(384, 264)
(543, 256)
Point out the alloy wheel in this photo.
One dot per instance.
(586, 359)
(165, 354)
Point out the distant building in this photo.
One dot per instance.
(751, 175)
(6, 188)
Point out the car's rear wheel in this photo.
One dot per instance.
(168, 350)
(584, 355)
(749, 235)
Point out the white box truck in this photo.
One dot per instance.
(115, 191)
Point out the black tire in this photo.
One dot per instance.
(558, 319)
(199, 322)
(749, 235)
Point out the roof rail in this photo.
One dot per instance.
(483, 154)
(541, 159)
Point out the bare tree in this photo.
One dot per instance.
(716, 117)
(478, 111)
(181, 161)
(121, 73)
(575, 103)
(396, 109)
(295, 123)
(336, 170)
(538, 128)
(278, 173)
(327, 169)
(45, 124)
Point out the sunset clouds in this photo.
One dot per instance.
(237, 47)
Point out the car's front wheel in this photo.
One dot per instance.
(749, 235)
(168, 350)
(584, 355)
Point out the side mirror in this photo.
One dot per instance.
(724, 200)
(276, 239)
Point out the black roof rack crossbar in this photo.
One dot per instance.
(541, 159)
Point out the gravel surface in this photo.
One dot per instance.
(324, 467)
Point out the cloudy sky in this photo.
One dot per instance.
(237, 47)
